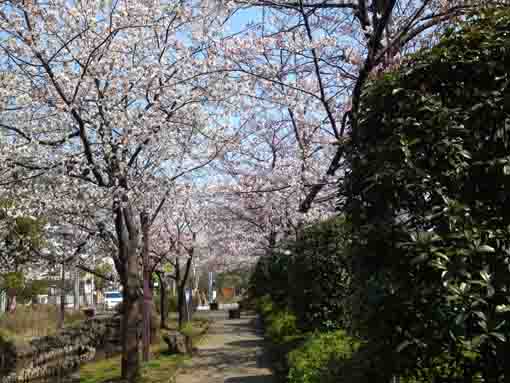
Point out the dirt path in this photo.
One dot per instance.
(231, 353)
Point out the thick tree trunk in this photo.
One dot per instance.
(181, 308)
(130, 320)
(147, 292)
(163, 304)
(127, 265)
(180, 294)
(181, 286)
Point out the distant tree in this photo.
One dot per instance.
(103, 269)
(20, 239)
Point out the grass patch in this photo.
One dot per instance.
(159, 369)
(100, 371)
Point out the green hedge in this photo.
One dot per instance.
(281, 331)
(309, 274)
(271, 277)
(320, 276)
(317, 360)
(428, 201)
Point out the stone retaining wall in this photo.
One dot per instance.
(61, 353)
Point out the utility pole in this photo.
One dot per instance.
(62, 297)
(76, 290)
(93, 285)
(66, 234)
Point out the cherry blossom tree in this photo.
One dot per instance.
(259, 205)
(303, 65)
(109, 102)
(178, 234)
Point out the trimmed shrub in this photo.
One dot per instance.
(317, 360)
(281, 324)
(311, 275)
(320, 276)
(271, 277)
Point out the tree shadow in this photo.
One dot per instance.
(262, 358)
(233, 355)
(259, 343)
(254, 324)
(251, 379)
(240, 322)
(244, 327)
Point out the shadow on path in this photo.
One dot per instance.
(247, 343)
(247, 379)
(232, 352)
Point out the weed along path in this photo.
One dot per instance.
(232, 352)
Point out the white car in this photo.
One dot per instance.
(112, 299)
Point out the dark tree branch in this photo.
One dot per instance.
(318, 75)
(298, 4)
(333, 167)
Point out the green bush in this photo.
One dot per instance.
(320, 276)
(281, 324)
(309, 273)
(278, 353)
(271, 277)
(265, 305)
(319, 357)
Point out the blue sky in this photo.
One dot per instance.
(242, 17)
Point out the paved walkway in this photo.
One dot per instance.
(232, 352)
